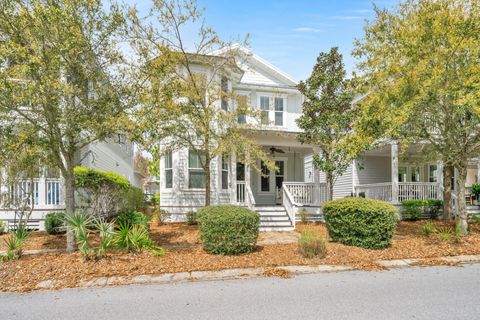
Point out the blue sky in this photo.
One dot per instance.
(289, 33)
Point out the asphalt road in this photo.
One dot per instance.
(415, 293)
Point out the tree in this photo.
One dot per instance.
(62, 77)
(185, 98)
(421, 64)
(327, 116)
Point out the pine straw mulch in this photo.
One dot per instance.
(186, 255)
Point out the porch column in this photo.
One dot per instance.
(247, 177)
(316, 178)
(440, 178)
(233, 178)
(42, 189)
(478, 170)
(394, 158)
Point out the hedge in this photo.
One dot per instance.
(55, 223)
(361, 222)
(413, 209)
(91, 178)
(228, 229)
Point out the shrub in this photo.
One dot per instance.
(15, 242)
(413, 209)
(135, 238)
(134, 199)
(302, 213)
(130, 218)
(311, 244)
(228, 229)
(365, 223)
(444, 233)
(428, 228)
(55, 223)
(162, 215)
(155, 200)
(191, 218)
(2, 227)
(476, 190)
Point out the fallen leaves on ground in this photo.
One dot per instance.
(186, 254)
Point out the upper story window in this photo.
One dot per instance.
(168, 170)
(196, 174)
(265, 107)
(242, 101)
(272, 110)
(279, 111)
(224, 85)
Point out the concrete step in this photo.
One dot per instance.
(269, 208)
(275, 223)
(275, 218)
(276, 229)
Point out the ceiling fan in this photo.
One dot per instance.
(273, 150)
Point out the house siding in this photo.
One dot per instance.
(373, 169)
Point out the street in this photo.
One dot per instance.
(413, 293)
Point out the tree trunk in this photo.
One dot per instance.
(207, 182)
(330, 185)
(70, 205)
(447, 192)
(462, 218)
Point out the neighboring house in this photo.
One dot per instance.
(275, 194)
(115, 154)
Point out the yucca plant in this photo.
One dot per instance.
(135, 238)
(80, 221)
(15, 242)
(107, 233)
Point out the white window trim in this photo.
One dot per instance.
(409, 168)
(246, 94)
(428, 172)
(165, 171)
(271, 108)
(220, 172)
(188, 173)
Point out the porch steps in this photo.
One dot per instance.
(274, 218)
(473, 209)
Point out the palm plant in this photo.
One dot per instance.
(15, 242)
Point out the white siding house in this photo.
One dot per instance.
(115, 155)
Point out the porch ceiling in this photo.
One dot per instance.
(286, 141)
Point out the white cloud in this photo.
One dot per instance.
(306, 29)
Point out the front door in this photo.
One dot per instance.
(279, 178)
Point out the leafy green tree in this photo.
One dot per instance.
(61, 76)
(421, 67)
(328, 114)
(184, 98)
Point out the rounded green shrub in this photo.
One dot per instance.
(228, 229)
(55, 223)
(361, 222)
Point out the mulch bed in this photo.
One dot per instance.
(184, 253)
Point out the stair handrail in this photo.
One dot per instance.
(289, 204)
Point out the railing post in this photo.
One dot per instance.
(233, 178)
(394, 158)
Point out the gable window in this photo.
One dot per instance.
(224, 85)
(264, 107)
(168, 170)
(265, 178)
(224, 172)
(196, 174)
(279, 108)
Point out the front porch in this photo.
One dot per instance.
(385, 174)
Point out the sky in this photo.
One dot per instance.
(290, 33)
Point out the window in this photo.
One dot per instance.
(432, 173)
(53, 192)
(224, 172)
(264, 107)
(168, 171)
(265, 178)
(279, 173)
(415, 174)
(242, 101)
(402, 174)
(279, 111)
(196, 174)
(240, 171)
(224, 85)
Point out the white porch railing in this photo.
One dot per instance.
(406, 191)
(240, 192)
(249, 199)
(289, 203)
(309, 194)
(378, 191)
(418, 191)
(45, 193)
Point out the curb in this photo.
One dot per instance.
(247, 273)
